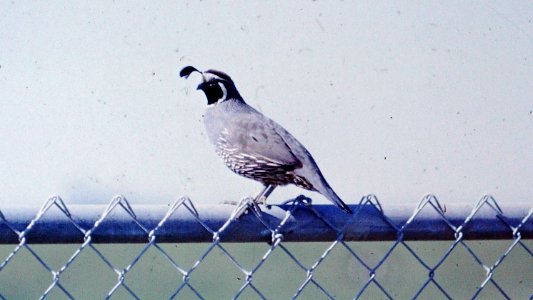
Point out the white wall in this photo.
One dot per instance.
(91, 104)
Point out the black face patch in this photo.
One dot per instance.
(212, 91)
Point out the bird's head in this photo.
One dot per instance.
(216, 85)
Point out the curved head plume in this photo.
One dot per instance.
(185, 72)
(216, 85)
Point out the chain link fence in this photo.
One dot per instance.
(294, 250)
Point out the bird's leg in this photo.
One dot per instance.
(263, 195)
(242, 207)
(251, 203)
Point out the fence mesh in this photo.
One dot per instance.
(303, 270)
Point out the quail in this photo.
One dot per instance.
(254, 146)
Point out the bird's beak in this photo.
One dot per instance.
(202, 85)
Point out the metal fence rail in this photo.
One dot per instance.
(296, 221)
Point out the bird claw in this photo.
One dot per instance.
(260, 200)
(254, 207)
(301, 199)
(243, 206)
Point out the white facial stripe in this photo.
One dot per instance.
(224, 91)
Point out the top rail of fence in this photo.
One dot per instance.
(296, 221)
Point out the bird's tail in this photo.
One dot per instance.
(332, 196)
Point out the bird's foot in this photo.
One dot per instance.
(254, 207)
(301, 199)
(243, 206)
(261, 200)
(263, 195)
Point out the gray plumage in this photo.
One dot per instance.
(253, 145)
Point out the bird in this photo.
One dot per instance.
(254, 146)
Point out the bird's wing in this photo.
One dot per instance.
(257, 136)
